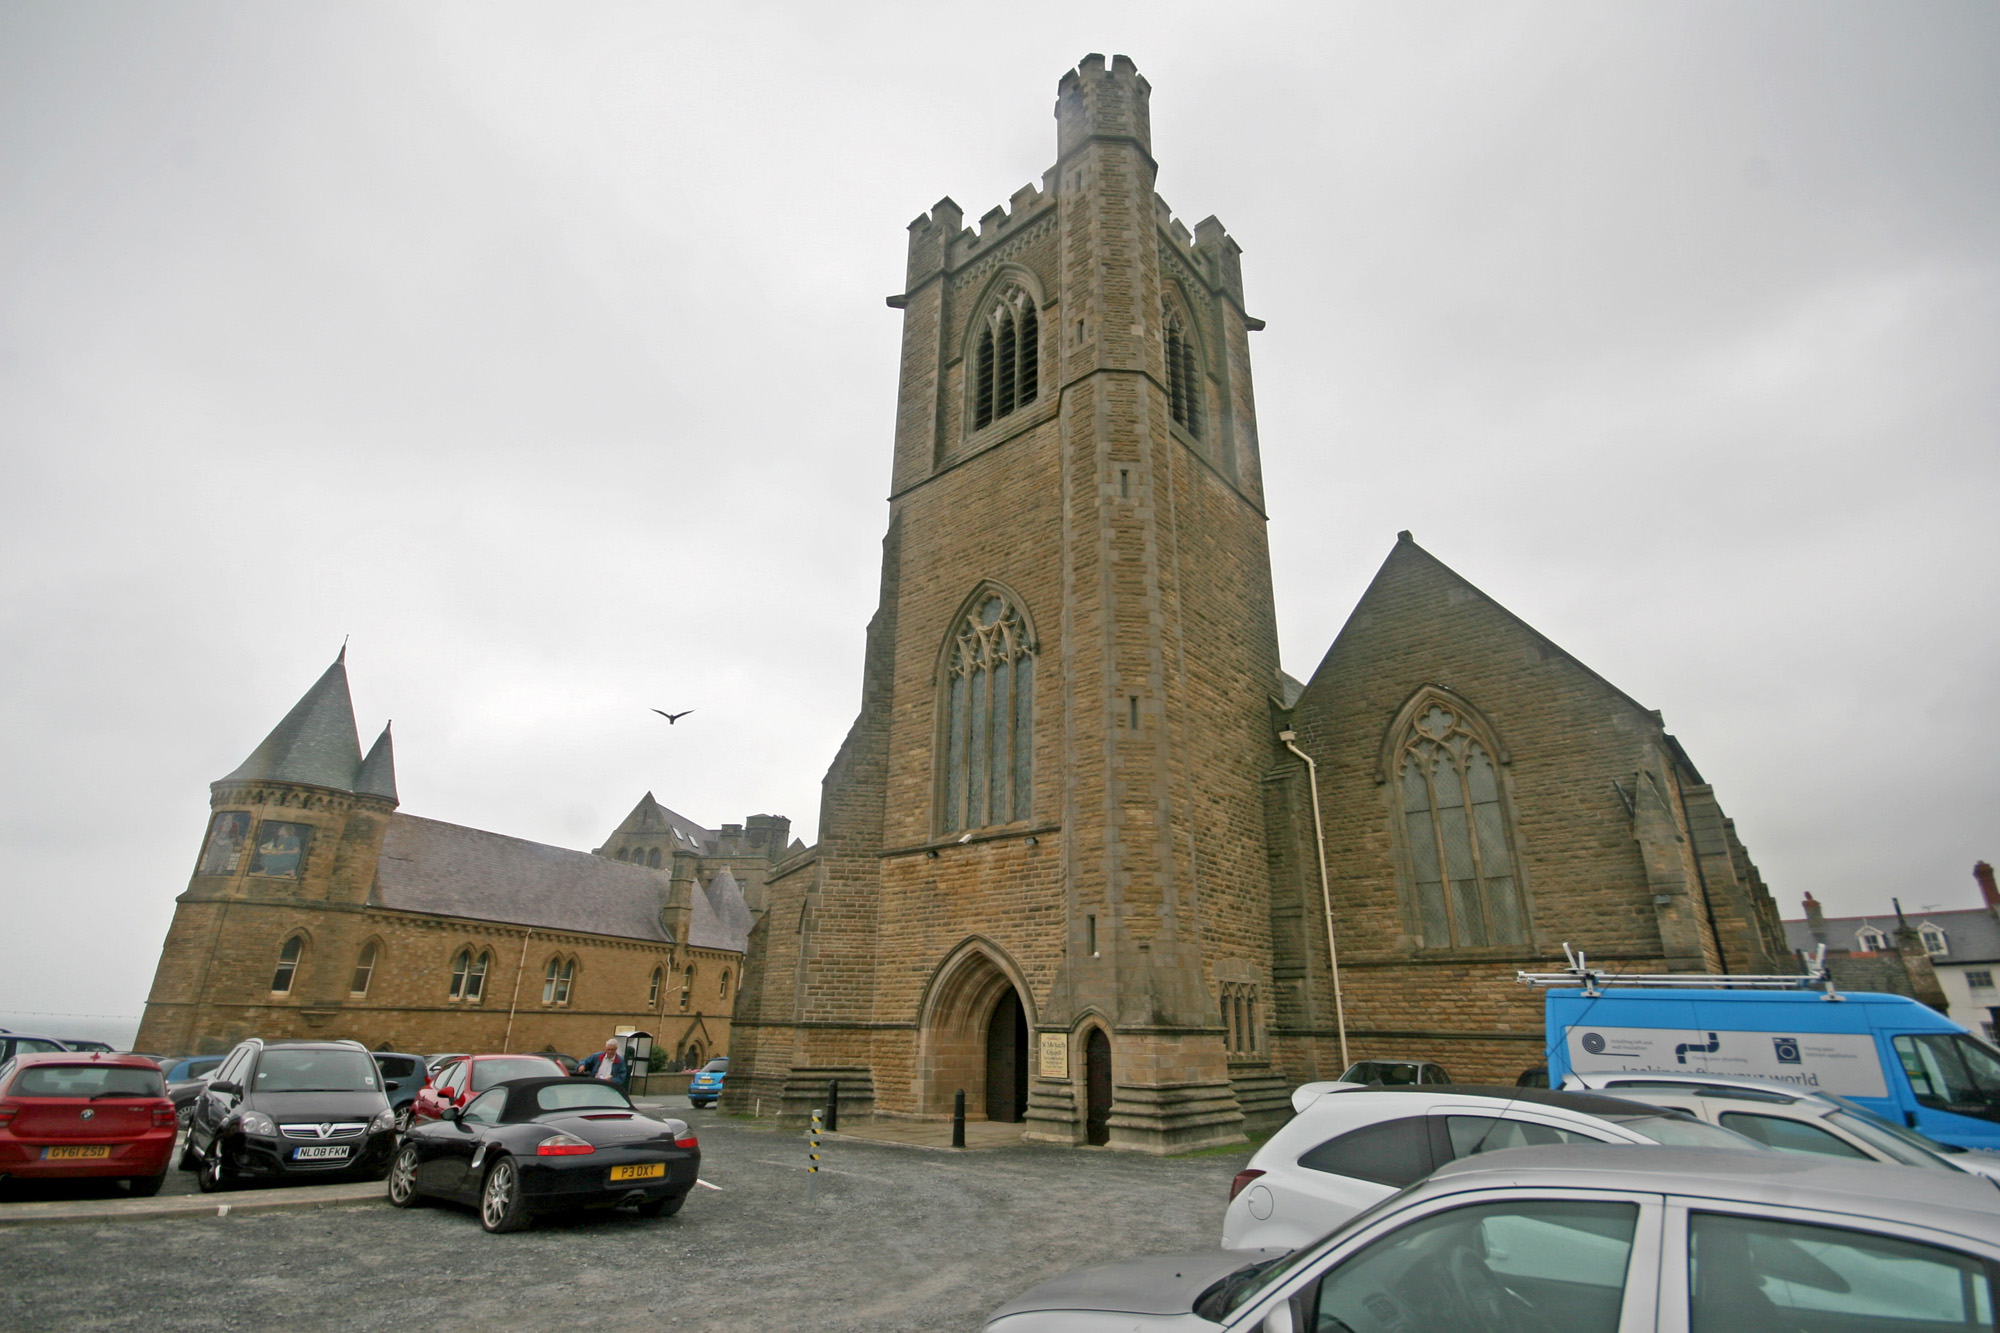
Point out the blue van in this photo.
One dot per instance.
(1899, 1058)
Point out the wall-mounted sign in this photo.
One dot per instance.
(1055, 1055)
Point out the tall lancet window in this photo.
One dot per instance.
(1007, 360)
(989, 704)
(1183, 379)
(1467, 894)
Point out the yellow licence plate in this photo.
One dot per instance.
(646, 1172)
(95, 1150)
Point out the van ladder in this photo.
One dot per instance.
(1594, 980)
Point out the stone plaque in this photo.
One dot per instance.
(1055, 1055)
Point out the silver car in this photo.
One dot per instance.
(1572, 1239)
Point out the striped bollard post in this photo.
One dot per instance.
(812, 1151)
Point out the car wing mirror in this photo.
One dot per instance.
(451, 1113)
(224, 1085)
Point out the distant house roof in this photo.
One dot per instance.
(1971, 935)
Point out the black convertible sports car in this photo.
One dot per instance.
(541, 1145)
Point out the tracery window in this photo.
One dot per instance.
(1006, 361)
(1239, 1017)
(1183, 381)
(989, 705)
(1456, 831)
(468, 975)
(364, 969)
(288, 964)
(556, 980)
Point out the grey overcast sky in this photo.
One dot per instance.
(541, 349)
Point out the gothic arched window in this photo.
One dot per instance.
(556, 979)
(989, 702)
(1455, 827)
(288, 964)
(364, 969)
(468, 974)
(653, 858)
(1183, 379)
(1006, 359)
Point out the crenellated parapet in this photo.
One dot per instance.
(1095, 102)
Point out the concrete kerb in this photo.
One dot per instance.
(200, 1205)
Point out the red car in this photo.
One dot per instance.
(459, 1081)
(72, 1114)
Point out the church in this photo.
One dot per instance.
(1088, 855)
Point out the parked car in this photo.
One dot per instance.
(1349, 1147)
(538, 1145)
(706, 1085)
(290, 1109)
(18, 1043)
(403, 1077)
(1791, 1120)
(183, 1068)
(81, 1044)
(1394, 1073)
(1573, 1240)
(457, 1083)
(69, 1114)
(569, 1063)
(435, 1062)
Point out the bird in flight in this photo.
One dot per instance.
(673, 717)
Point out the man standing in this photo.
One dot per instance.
(607, 1064)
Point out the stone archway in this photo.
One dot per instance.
(973, 1036)
(1096, 1087)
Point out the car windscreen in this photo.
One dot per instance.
(716, 1066)
(1685, 1132)
(580, 1095)
(87, 1081)
(490, 1073)
(316, 1071)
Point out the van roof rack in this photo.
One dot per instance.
(1594, 980)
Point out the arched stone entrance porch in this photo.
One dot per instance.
(973, 1035)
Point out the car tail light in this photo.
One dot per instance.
(562, 1145)
(689, 1142)
(165, 1115)
(7, 1112)
(1242, 1178)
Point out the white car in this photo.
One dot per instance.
(1575, 1240)
(1351, 1146)
(1790, 1119)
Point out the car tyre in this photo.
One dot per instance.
(501, 1207)
(403, 1179)
(190, 1159)
(145, 1187)
(215, 1175)
(666, 1207)
(403, 1119)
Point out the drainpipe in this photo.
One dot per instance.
(506, 1042)
(1289, 737)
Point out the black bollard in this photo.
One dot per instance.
(833, 1107)
(958, 1119)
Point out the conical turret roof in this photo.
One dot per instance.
(315, 743)
(377, 775)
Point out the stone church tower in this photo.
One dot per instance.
(1042, 851)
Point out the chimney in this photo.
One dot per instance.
(1987, 890)
(1815, 919)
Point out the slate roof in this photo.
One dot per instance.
(718, 918)
(316, 743)
(649, 816)
(448, 870)
(1971, 935)
(377, 774)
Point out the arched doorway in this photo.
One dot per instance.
(1007, 1061)
(1097, 1087)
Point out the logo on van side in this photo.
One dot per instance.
(1594, 1043)
(1681, 1051)
(1787, 1049)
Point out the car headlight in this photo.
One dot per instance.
(256, 1122)
(385, 1119)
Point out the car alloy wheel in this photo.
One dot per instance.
(403, 1119)
(215, 1173)
(500, 1204)
(403, 1178)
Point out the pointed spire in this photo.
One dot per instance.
(377, 776)
(315, 743)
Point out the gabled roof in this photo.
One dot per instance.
(718, 918)
(315, 743)
(449, 870)
(1971, 935)
(650, 817)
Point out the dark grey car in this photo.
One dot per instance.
(291, 1109)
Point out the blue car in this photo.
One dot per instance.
(706, 1085)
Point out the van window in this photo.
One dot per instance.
(1390, 1152)
(1950, 1072)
